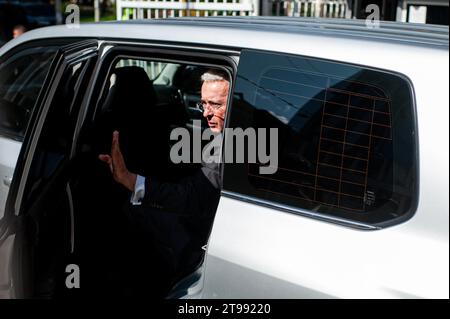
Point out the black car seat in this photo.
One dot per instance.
(131, 108)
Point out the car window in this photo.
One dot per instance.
(21, 80)
(346, 137)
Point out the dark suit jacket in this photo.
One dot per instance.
(179, 216)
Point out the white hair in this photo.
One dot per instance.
(214, 76)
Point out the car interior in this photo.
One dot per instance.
(120, 251)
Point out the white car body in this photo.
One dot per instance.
(256, 251)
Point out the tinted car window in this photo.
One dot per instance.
(346, 144)
(21, 79)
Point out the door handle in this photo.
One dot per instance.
(7, 181)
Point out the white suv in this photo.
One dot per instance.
(358, 206)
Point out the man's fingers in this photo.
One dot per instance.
(116, 139)
(115, 160)
(108, 160)
(115, 143)
(115, 149)
(105, 158)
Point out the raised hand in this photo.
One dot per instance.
(117, 164)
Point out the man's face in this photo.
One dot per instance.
(214, 100)
(17, 32)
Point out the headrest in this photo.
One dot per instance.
(131, 94)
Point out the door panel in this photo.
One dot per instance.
(38, 191)
(275, 254)
(22, 74)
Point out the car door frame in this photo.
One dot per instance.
(192, 284)
(15, 198)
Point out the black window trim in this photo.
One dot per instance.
(321, 216)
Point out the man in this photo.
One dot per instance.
(19, 30)
(178, 215)
(10, 15)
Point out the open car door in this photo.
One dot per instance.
(37, 230)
